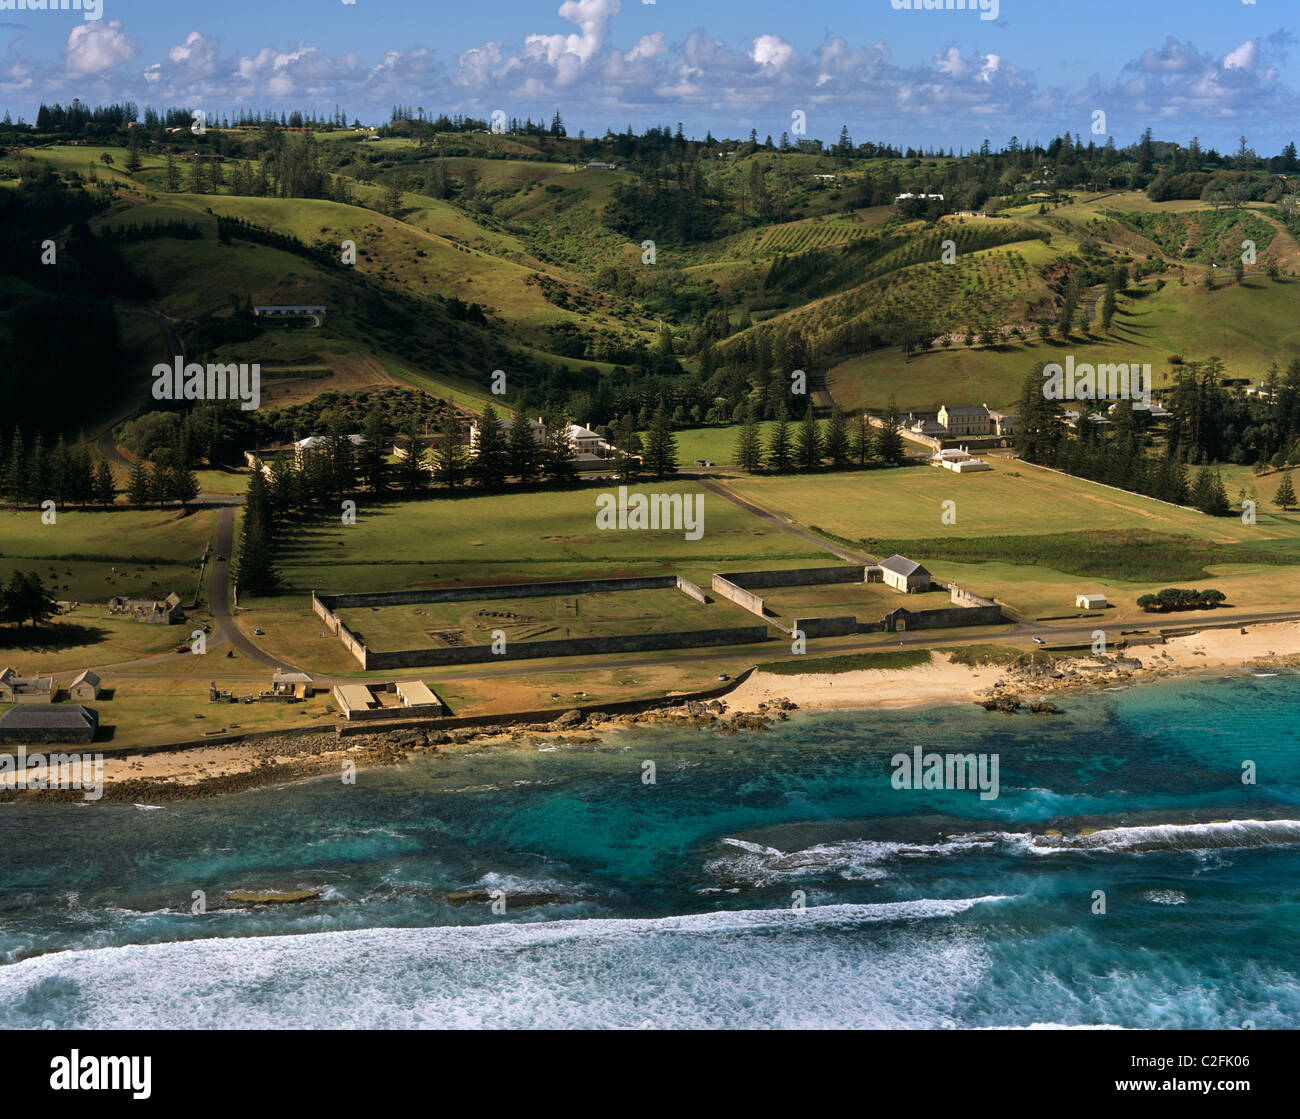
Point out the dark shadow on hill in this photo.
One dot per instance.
(51, 638)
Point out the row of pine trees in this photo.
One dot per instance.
(845, 440)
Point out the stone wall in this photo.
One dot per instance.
(504, 590)
(690, 590)
(797, 576)
(827, 627)
(574, 647)
(738, 595)
(336, 627)
(952, 616)
(616, 707)
(962, 597)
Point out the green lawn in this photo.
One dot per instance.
(1248, 327)
(607, 613)
(92, 556)
(512, 537)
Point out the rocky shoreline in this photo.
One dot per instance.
(271, 761)
(1036, 684)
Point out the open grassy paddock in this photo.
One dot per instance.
(598, 614)
(522, 537)
(93, 555)
(864, 601)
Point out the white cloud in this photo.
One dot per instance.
(648, 46)
(772, 50)
(1243, 57)
(97, 46)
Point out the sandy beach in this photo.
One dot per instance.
(217, 770)
(942, 681)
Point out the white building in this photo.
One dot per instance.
(976, 419)
(960, 461)
(903, 574)
(586, 441)
(1090, 601)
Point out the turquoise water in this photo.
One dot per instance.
(676, 903)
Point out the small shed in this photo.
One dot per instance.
(904, 574)
(85, 687)
(416, 693)
(297, 684)
(1090, 601)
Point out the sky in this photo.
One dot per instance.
(1216, 69)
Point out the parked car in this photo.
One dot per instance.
(221, 558)
(1038, 640)
(723, 676)
(259, 632)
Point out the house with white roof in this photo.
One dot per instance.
(958, 460)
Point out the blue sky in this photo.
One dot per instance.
(1217, 69)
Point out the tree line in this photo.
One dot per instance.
(846, 441)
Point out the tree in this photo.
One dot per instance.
(861, 445)
(837, 438)
(889, 444)
(778, 443)
(392, 199)
(449, 458)
(749, 443)
(104, 486)
(173, 179)
(559, 453)
(521, 448)
(488, 466)
(1285, 497)
(133, 151)
(26, 600)
(411, 473)
(661, 445)
(372, 462)
(808, 442)
(183, 486)
(628, 443)
(256, 571)
(15, 473)
(139, 487)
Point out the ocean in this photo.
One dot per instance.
(772, 879)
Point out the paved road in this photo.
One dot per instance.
(224, 627)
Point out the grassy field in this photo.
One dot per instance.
(1247, 326)
(92, 556)
(1011, 499)
(864, 601)
(88, 637)
(513, 537)
(603, 614)
(1002, 544)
